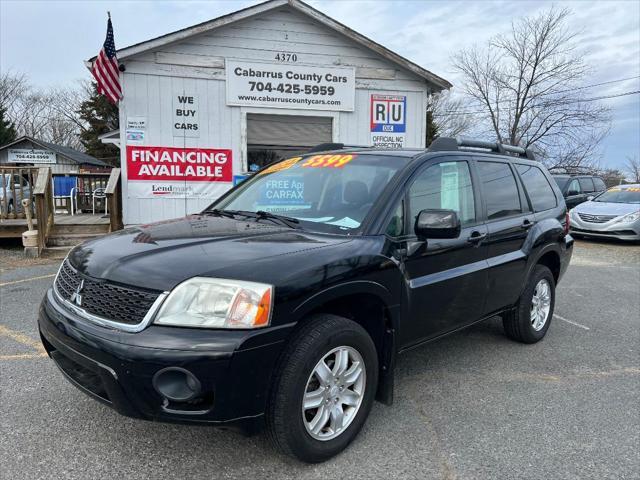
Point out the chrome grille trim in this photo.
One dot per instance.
(105, 322)
(596, 218)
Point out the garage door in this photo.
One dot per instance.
(287, 130)
(274, 137)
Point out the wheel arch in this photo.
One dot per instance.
(549, 256)
(370, 305)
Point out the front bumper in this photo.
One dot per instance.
(233, 368)
(610, 229)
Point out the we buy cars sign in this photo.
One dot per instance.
(168, 171)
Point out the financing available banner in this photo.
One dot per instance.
(177, 172)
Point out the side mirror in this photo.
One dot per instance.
(590, 197)
(572, 193)
(435, 223)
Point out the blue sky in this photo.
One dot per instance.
(48, 40)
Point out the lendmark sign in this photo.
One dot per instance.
(290, 86)
(176, 171)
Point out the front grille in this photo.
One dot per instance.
(104, 299)
(596, 218)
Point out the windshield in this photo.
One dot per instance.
(330, 192)
(620, 195)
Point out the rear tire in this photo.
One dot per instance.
(529, 321)
(295, 424)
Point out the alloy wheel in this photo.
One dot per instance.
(334, 393)
(540, 305)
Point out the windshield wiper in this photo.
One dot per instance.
(259, 215)
(221, 213)
(287, 221)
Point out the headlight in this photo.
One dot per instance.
(217, 303)
(630, 217)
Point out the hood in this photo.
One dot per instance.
(161, 255)
(606, 208)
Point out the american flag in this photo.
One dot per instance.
(105, 68)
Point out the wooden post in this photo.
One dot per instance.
(113, 191)
(44, 206)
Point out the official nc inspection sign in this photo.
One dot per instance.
(388, 120)
(290, 86)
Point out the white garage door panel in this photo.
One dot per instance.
(288, 130)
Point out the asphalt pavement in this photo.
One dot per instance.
(474, 405)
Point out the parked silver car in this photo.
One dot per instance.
(613, 214)
(13, 185)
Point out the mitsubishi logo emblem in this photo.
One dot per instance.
(77, 295)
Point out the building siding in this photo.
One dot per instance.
(196, 65)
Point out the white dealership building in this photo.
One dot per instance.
(204, 104)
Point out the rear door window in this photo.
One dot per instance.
(574, 188)
(538, 187)
(586, 184)
(599, 184)
(500, 190)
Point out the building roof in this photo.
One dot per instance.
(437, 82)
(76, 156)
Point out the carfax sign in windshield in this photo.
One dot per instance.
(282, 194)
(290, 86)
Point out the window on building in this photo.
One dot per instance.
(538, 187)
(500, 190)
(443, 186)
(586, 185)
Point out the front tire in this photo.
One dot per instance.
(324, 388)
(529, 321)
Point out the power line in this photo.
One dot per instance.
(561, 91)
(565, 102)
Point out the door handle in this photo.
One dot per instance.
(476, 237)
(527, 224)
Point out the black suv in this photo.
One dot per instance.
(578, 188)
(289, 299)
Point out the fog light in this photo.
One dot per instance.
(176, 384)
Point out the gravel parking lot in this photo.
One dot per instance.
(474, 405)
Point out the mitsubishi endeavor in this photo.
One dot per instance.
(287, 301)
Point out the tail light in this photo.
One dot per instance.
(567, 223)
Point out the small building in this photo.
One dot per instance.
(31, 152)
(207, 103)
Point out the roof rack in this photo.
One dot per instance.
(325, 147)
(443, 144)
(572, 170)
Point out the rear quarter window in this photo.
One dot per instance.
(540, 191)
(586, 185)
(599, 184)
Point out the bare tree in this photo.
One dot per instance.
(13, 86)
(632, 167)
(525, 84)
(47, 114)
(450, 115)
